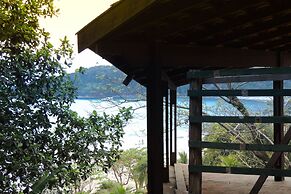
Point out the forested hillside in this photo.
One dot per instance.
(106, 81)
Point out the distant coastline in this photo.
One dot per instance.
(101, 82)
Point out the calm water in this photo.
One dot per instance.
(135, 135)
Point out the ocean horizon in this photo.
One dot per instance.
(135, 130)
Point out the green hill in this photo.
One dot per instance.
(106, 81)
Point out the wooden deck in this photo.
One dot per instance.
(214, 183)
(169, 188)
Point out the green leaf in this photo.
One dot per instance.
(40, 185)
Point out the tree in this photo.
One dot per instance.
(252, 133)
(132, 165)
(42, 142)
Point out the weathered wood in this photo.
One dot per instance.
(237, 119)
(252, 92)
(172, 127)
(180, 179)
(278, 20)
(109, 21)
(155, 126)
(175, 128)
(170, 187)
(246, 78)
(234, 72)
(195, 134)
(261, 180)
(199, 57)
(239, 170)
(166, 78)
(179, 56)
(278, 104)
(241, 147)
(261, 36)
(166, 147)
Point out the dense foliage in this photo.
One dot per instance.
(42, 142)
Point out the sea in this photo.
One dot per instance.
(135, 129)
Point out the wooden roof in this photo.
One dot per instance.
(191, 34)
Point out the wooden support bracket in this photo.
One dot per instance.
(261, 180)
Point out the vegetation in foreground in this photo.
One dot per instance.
(43, 144)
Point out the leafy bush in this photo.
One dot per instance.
(183, 158)
(42, 142)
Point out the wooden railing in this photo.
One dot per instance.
(197, 78)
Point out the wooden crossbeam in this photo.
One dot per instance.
(238, 119)
(242, 147)
(239, 170)
(233, 72)
(261, 180)
(246, 78)
(272, 92)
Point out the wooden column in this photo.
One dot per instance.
(195, 134)
(278, 103)
(173, 127)
(166, 146)
(154, 125)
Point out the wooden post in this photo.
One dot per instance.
(154, 125)
(166, 172)
(195, 134)
(278, 103)
(173, 127)
(278, 108)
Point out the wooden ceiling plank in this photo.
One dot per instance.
(283, 40)
(200, 17)
(265, 35)
(258, 26)
(162, 11)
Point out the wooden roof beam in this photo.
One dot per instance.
(211, 57)
(137, 56)
(250, 78)
(109, 21)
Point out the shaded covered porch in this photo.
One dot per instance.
(230, 183)
(156, 42)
